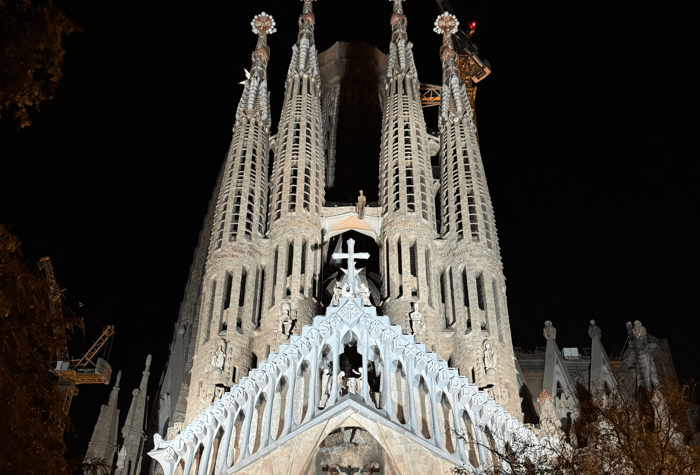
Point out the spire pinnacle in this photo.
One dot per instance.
(254, 104)
(398, 21)
(454, 103)
(304, 62)
(307, 18)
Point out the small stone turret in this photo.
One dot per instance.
(103, 444)
(134, 429)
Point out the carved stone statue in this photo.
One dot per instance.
(337, 292)
(286, 321)
(549, 331)
(639, 330)
(364, 293)
(417, 324)
(218, 358)
(341, 383)
(326, 386)
(490, 359)
(645, 351)
(355, 384)
(594, 330)
(347, 291)
(360, 205)
(121, 457)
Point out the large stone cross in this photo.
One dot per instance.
(351, 256)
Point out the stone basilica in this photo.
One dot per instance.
(320, 336)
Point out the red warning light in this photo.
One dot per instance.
(472, 25)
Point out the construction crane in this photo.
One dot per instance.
(87, 370)
(472, 69)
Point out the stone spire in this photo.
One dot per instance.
(467, 213)
(134, 429)
(297, 183)
(103, 444)
(235, 265)
(474, 314)
(406, 193)
(406, 177)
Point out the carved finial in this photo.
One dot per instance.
(263, 24)
(639, 330)
(446, 24)
(148, 362)
(549, 331)
(119, 377)
(544, 395)
(398, 19)
(594, 330)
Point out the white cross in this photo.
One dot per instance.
(351, 256)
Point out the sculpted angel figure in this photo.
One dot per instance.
(337, 291)
(490, 358)
(286, 321)
(364, 293)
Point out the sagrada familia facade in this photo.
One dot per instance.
(321, 336)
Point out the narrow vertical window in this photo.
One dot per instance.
(465, 294)
(274, 277)
(465, 287)
(303, 266)
(256, 298)
(413, 256)
(210, 312)
(290, 267)
(428, 277)
(229, 286)
(400, 262)
(452, 296)
(480, 291)
(241, 293)
(388, 269)
(497, 306)
(260, 298)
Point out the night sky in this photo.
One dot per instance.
(588, 127)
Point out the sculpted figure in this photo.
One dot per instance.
(121, 457)
(364, 293)
(341, 383)
(355, 384)
(218, 358)
(549, 331)
(337, 291)
(286, 321)
(417, 324)
(490, 358)
(646, 349)
(326, 386)
(347, 291)
(360, 205)
(594, 330)
(639, 330)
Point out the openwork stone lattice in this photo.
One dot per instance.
(421, 393)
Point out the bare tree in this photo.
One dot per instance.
(615, 432)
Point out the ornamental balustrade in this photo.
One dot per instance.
(397, 378)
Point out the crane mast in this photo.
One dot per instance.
(87, 370)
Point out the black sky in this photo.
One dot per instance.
(588, 127)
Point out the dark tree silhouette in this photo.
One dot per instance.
(31, 408)
(31, 54)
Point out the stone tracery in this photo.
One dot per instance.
(419, 392)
